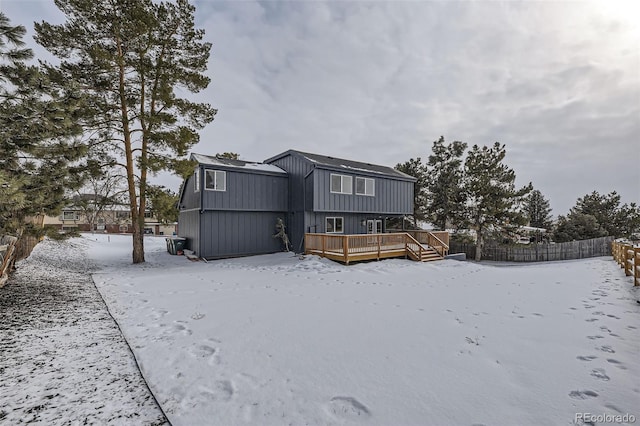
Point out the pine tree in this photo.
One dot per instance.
(577, 226)
(445, 201)
(132, 59)
(229, 155)
(615, 219)
(538, 210)
(415, 168)
(39, 144)
(490, 185)
(164, 204)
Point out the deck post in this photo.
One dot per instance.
(323, 238)
(378, 246)
(345, 248)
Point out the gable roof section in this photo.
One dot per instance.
(341, 164)
(237, 165)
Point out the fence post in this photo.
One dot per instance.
(627, 258)
(636, 266)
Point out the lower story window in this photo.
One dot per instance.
(334, 225)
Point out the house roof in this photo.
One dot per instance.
(236, 164)
(342, 164)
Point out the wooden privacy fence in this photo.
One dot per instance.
(7, 257)
(539, 252)
(628, 257)
(356, 247)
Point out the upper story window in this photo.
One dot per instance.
(196, 180)
(341, 184)
(365, 186)
(215, 180)
(69, 215)
(123, 215)
(148, 214)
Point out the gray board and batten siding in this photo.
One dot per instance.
(237, 219)
(311, 199)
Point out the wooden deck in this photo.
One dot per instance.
(421, 246)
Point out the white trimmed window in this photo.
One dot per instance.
(215, 180)
(334, 225)
(69, 215)
(196, 181)
(341, 184)
(365, 186)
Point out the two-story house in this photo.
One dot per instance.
(230, 207)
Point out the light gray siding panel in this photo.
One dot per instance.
(249, 192)
(391, 196)
(227, 233)
(189, 228)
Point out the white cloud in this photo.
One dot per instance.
(557, 82)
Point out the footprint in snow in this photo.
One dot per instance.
(347, 408)
(599, 374)
(616, 363)
(595, 337)
(586, 357)
(606, 348)
(577, 394)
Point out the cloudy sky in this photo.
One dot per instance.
(379, 81)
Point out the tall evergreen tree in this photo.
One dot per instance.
(39, 143)
(133, 59)
(493, 199)
(164, 204)
(445, 201)
(615, 219)
(417, 169)
(577, 226)
(538, 210)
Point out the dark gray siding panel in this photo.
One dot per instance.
(299, 191)
(352, 222)
(189, 228)
(249, 192)
(227, 234)
(190, 199)
(391, 196)
(297, 167)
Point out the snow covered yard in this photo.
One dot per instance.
(276, 340)
(62, 358)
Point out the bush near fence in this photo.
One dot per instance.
(539, 252)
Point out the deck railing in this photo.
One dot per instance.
(628, 257)
(346, 248)
(439, 240)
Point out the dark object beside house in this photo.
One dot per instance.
(175, 245)
(230, 207)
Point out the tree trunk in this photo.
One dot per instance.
(479, 243)
(138, 244)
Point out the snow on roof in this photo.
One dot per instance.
(240, 164)
(355, 166)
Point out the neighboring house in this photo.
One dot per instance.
(230, 207)
(113, 219)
